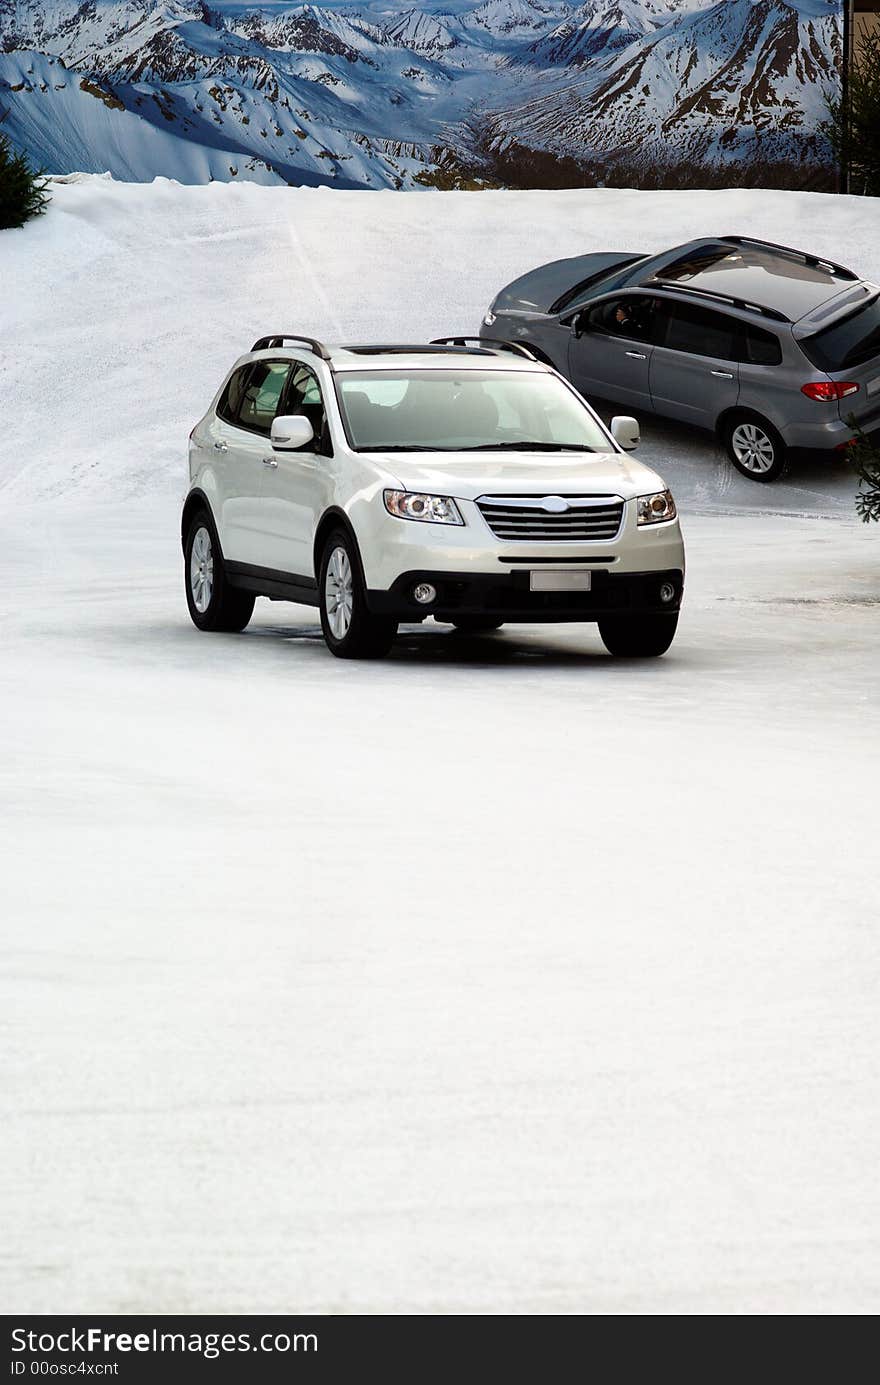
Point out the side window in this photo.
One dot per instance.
(262, 395)
(230, 400)
(304, 397)
(632, 317)
(701, 332)
(760, 347)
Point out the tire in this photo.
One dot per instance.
(754, 446)
(350, 630)
(638, 637)
(477, 625)
(213, 603)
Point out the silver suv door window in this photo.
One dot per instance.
(631, 316)
(701, 332)
(230, 400)
(262, 395)
(303, 396)
(612, 353)
(694, 367)
(759, 347)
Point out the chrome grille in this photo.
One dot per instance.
(552, 518)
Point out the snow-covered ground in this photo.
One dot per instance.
(498, 977)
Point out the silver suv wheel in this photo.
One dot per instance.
(201, 570)
(753, 448)
(212, 602)
(339, 594)
(350, 628)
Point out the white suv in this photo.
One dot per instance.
(389, 483)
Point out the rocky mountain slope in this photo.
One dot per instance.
(360, 96)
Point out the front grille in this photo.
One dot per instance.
(537, 517)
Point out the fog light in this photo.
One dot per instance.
(667, 592)
(424, 593)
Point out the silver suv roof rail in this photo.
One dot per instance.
(715, 297)
(483, 346)
(279, 338)
(786, 250)
(483, 342)
(400, 348)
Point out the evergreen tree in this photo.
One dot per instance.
(866, 459)
(22, 192)
(854, 125)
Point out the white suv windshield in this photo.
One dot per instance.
(464, 411)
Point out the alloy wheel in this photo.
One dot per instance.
(339, 593)
(753, 448)
(201, 570)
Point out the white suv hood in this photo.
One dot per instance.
(467, 475)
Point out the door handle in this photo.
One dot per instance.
(270, 461)
(637, 355)
(722, 374)
(221, 447)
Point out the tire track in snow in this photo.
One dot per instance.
(307, 266)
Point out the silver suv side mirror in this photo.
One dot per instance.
(290, 432)
(625, 432)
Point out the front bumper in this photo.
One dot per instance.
(392, 548)
(506, 596)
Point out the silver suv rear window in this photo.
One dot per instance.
(852, 342)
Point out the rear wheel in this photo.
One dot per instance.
(213, 603)
(638, 637)
(477, 625)
(350, 630)
(755, 447)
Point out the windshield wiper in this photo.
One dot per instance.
(525, 446)
(480, 447)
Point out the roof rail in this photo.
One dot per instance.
(279, 338)
(716, 297)
(798, 254)
(401, 349)
(484, 342)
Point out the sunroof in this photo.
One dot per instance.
(793, 284)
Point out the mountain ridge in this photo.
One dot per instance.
(352, 96)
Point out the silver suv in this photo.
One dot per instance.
(775, 350)
(391, 483)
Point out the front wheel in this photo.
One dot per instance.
(638, 637)
(350, 630)
(213, 603)
(754, 447)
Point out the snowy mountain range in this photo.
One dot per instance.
(528, 92)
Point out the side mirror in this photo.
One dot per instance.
(625, 432)
(291, 432)
(579, 324)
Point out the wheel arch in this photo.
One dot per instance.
(331, 519)
(197, 500)
(743, 411)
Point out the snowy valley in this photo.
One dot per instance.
(512, 92)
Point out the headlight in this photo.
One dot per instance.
(433, 509)
(657, 507)
(489, 318)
